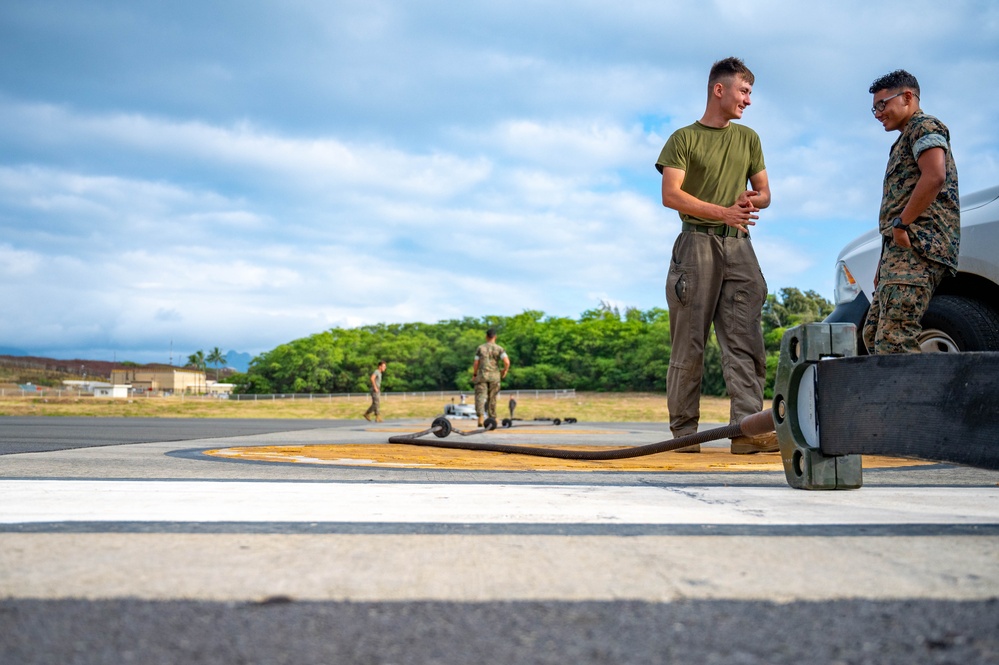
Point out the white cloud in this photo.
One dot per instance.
(18, 264)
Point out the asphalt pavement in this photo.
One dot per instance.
(244, 541)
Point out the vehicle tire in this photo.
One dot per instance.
(955, 323)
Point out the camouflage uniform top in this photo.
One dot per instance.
(935, 234)
(489, 356)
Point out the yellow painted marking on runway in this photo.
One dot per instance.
(709, 460)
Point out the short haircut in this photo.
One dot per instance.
(894, 81)
(491, 333)
(382, 362)
(727, 68)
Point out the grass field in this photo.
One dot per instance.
(591, 407)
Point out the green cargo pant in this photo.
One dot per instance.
(376, 403)
(714, 280)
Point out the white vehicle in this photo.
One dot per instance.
(964, 312)
(459, 411)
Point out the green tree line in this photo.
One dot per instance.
(603, 350)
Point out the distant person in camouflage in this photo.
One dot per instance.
(920, 217)
(486, 375)
(376, 393)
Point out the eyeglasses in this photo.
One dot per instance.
(879, 107)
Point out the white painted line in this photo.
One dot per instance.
(27, 501)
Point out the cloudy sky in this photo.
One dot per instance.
(180, 175)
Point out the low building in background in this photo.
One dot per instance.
(118, 391)
(163, 379)
(220, 390)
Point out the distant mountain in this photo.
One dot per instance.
(238, 361)
(75, 367)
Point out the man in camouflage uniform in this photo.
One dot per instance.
(486, 375)
(920, 218)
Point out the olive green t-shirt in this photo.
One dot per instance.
(717, 163)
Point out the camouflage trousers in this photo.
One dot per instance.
(486, 393)
(906, 282)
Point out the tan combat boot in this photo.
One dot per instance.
(747, 445)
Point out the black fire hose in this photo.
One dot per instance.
(754, 425)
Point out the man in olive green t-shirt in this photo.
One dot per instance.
(714, 276)
(376, 393)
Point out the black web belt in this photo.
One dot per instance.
(721, 230)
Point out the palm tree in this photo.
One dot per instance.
(216, 358)
(197, 360)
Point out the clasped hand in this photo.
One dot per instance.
(742, 213)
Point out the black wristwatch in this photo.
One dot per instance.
(897, 223)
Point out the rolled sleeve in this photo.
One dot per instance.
(924, 143)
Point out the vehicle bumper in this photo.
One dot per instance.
(854, 312)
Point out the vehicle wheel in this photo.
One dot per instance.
(954, 323)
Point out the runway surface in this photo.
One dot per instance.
(124, 540)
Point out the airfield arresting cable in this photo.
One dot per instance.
(754, 425)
